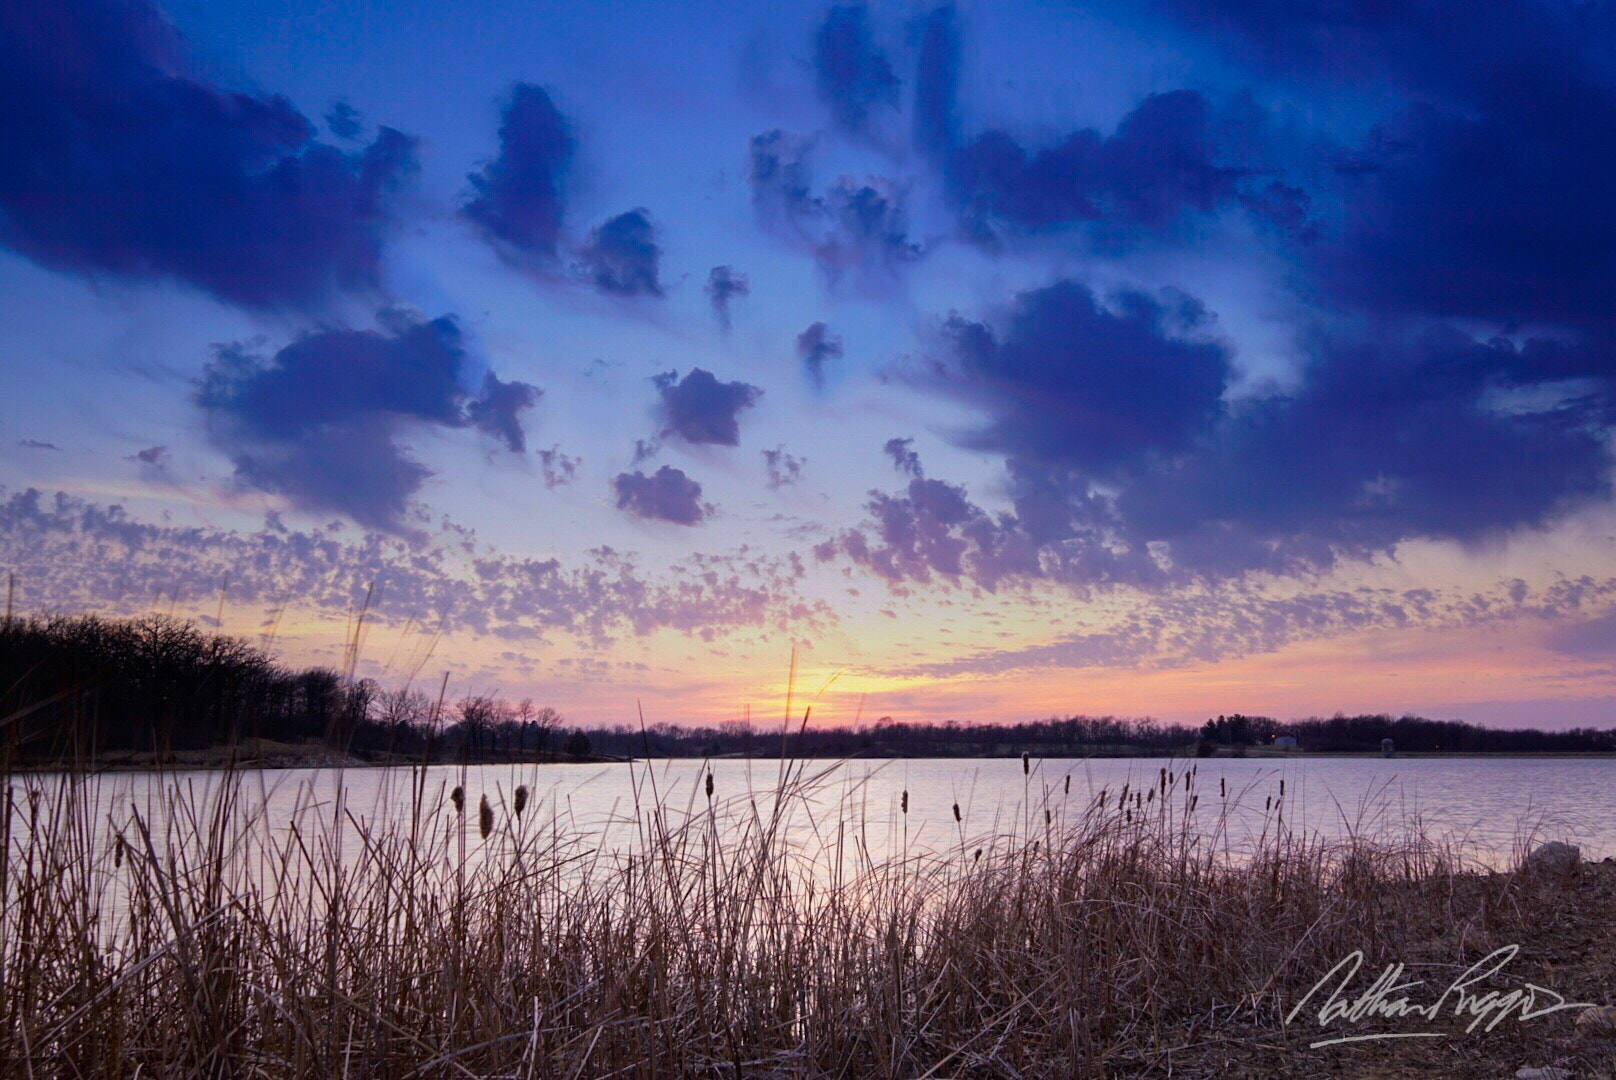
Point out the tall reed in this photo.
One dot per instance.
(189, 936)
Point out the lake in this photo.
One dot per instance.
(1486, 807)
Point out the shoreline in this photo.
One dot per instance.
(276, 756)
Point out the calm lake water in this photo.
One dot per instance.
(1486, 806)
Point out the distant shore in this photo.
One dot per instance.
(270, 754)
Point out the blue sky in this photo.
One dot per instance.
(999, 359)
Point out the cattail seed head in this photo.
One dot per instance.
(978, 854)
(521, 799)
(904, 802)
(1151, 797)
(1129, 814)
(117, 850)
(1048, 817)
(1102, 798)
(1282, 789)
(1193, 800)
(1223, 791)
(1268, 804)
(1026, 763)
(1068, 783)
(458, 797)
(956, 812)
(709, 783)
(485, 818)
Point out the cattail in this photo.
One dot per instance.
(1129, 814)
(709, 784)
(485, 818)
(903, 804)
(1164, 779)
(1139, 800)
(1152, 796)
(1102, 798)
(1068, 783)
(117, 850)
(1026, 763)
(1223, 792)
(458, 797)
(521, 799)
(1193, 800)
(1282, 789)
(978, 854)
(1048, 817)
(1268, 804)
(956, 812)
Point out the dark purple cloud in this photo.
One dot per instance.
(856, 224)
(700, 409)
(118, 159)
(936, 123)
(785, 469)
(621, 255)
(667, 495)
(725, 284)
(344, 121)
(1160, 164)
(816, 347)
(559, 469)
(1072, 382)
(1484, 190)
(904, 459)
(155, 456)
(498, 411)
(1126, 464)
(37, 444)
(519, 200)
(780, 175)
(319, 422)
(852, 76)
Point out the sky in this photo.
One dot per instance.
(982, 361)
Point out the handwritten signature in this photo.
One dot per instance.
(1386, 998)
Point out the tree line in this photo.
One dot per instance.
(86, 686)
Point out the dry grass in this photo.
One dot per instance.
(187, 938)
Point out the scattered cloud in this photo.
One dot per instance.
(725, 285)
(320, 421)
(559, 469)
(904, 459)
(857, 224)
(785, 469)
(853, 77)
(70, 553)
(816, 347)
(667, 495)
(498, 411)
(519, 198)
(621, 255)
(700, 409)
